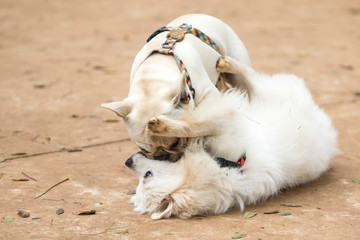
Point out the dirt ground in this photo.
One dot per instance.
(59, 60)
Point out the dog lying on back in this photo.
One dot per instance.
(271, 104)
(157, 87)
(288, 140)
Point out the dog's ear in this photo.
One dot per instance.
(183, 95)
(121, 108)
(164, 210)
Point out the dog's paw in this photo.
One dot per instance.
(156, 125)
(223, 64)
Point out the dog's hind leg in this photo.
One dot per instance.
(236, 73)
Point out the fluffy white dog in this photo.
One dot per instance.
(287, 139)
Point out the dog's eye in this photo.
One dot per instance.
(148, 174)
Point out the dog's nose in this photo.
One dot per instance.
(129, 162)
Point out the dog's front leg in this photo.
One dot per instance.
(167, 127)
(226, 64)
(242, 73)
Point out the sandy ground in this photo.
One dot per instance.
(59, 60)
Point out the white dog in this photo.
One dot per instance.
(287, 139)
(158, 87)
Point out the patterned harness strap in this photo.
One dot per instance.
(177, 34)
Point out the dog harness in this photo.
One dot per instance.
(230, 164)
(177, 34)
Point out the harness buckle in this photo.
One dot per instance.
(176, 35)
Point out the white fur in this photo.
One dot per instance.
(287, 138)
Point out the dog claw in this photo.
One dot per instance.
(223, 65)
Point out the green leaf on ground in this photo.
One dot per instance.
(249, 214)
(356, 180)
(238, 236)
(285, 214)
(6, 220)
(168, 234)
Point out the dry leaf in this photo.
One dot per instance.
(347, 67)
(131, 192)
(74, 150)
(272, 212)
(40, 85)
(18, 154)
(111, 120)
(90, 212)
(20, 179)
(120, 231)
(291, 205)
(354, 11)
(99, 67)
(23, 213)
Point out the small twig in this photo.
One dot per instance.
(65, 150)
(32, 155)
(52, 187)
(55, 200)
(105, 143)
(66, 94)
(29, 176)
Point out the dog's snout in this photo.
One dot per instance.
(129, 162)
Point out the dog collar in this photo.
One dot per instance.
(230, 164)
(177, 34)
